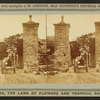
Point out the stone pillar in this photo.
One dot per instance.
(97, 45)
(30, 44)
(61, 43)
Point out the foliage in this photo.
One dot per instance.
(3, 47)
(85, 42)
(15, 42)
(74, 49)
(11, 43)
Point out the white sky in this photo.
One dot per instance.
(80, 24)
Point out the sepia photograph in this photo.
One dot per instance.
(50, 49)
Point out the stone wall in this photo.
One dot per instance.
(30, 45)
(97, 45)
(61, 43)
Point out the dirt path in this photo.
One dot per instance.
(75, 78)
(30, 78)
(21, 78)
(18, 78)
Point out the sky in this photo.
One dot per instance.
(80, 24)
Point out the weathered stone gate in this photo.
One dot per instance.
(30, 44)
(61, 42)
(97, 45)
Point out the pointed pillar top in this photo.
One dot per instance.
(62, 18)
(62, 23)
(30, 17)
(30, 23)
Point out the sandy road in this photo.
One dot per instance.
(30, 78)
(16, 79)
(21, 78)
(75, 78)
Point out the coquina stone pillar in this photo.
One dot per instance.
(97, 45)
(30, 44)
(61, 43)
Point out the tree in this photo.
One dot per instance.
(74, 49)
(85, 42)
(3, 48)
(16, 42)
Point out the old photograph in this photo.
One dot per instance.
(49, 49)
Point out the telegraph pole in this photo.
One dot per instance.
(46, 52)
